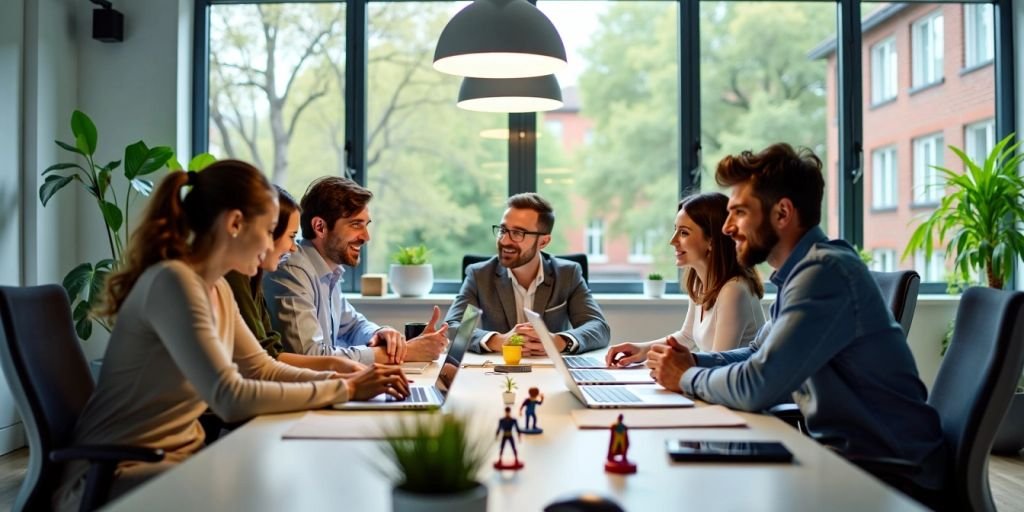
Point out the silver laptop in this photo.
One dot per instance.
(429, 397)
(608, 396)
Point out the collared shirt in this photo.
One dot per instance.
(833, 345)
(308, 309)
(523, 297)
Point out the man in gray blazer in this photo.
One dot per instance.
(522, 276)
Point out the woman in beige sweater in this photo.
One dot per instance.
(179, 343)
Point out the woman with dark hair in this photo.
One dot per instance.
(179, 344)
(725, 297)
(248, 292)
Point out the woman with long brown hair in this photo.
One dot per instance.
(179, 344)
(725, 297)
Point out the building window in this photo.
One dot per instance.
(979, 139)
(883, 71)
(883, 260)
(927, 50)
(979, 40)
(594, 241)
(928, 183)
(883, 178)
(640, 248)
(934, 269)
(555, 128)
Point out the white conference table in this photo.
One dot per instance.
(254, 469)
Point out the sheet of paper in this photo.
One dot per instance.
(694, 417)
(474, 360)
(346, 425)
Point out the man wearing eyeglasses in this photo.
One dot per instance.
(522, 276)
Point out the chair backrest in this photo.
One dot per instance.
(49, 377)
(579, 258)
(974, 386)
(899, 289)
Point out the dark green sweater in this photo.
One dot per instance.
(253, 308)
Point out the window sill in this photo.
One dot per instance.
(883, 209)
(925, 87)
(972, 68)
(603, 299)
(924, 206)
(882, 103)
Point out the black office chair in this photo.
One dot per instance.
(972, 392)
(579, 258)
(899, 290)
(50, 380)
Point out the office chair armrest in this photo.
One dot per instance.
(790, 413)
(886, 466)
(107, 453)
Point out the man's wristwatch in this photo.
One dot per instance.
(570, 345)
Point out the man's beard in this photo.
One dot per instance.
(337, 251)
(523, 257)
(757, 248)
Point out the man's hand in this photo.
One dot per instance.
(392, 342)
(375, 380)
(429, 345)
(625, 354)
(668, 363)
(495, 342)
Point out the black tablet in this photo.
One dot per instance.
(727, 451)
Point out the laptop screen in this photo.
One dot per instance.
(453, 359)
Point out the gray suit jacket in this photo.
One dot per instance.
(563, 300)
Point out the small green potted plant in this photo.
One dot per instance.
(654, 285)
(977, 222)
(434, 462)
(512, 350)
(509, 395)
(410, 274)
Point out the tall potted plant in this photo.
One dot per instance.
(411, 275)
(434, 462)
(84, 283)
(978, 220)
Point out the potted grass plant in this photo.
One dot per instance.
(512, 350)
(411, 275)
(654, 285)
(434, 463)
(978, 222)
(509, 395)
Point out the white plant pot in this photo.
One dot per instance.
(411, 280)
(654, 289)
(473, 500)
(509, 397)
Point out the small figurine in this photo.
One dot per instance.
(536, 398)
(505, 427)
(618, 445)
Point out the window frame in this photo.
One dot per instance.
(925, 190)
(884, 71)
(973, 18)
(884, 180)
(522, 150)
(925, 72)
(989, 127)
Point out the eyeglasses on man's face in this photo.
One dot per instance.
(516, 235)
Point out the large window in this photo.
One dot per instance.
(979, 43)
(979, 139)
(883, 178)
(927, 49)
(883, 260)
(883, 71)
(594, 239)
(931, 269)
(928, 183)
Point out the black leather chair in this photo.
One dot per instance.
(899, 290)
(579, 258)
(972, 393)
(50, 380)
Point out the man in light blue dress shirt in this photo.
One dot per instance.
(831, 344)
(304, 293)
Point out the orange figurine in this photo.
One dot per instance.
(618, 445)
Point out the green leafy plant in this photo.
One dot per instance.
(865, 255)
(654, 276)
(411, 255)
(509, 384)
(435, 454)
(516, 340)
(979, 215)
(84, 283)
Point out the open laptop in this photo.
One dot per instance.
(608, 396)
(428, 397)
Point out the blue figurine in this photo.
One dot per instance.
(505, 427)
(530, 404)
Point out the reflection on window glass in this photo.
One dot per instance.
(277, 74)
(917, 127)
(611, 152)
(439, 173)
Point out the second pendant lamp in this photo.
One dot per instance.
(533, 94)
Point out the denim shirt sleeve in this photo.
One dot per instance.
(803, 337)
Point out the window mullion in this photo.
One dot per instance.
(850, 95)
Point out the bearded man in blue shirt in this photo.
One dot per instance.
(831, 345)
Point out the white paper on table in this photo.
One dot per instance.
(692, 417)
(347, 424)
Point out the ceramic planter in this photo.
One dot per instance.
(512, 353)
(473, 500)
(411, 280)
(654, 289)
(509, 397)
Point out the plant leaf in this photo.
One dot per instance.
(53, 183)
(69, 147)
(83, 320)
(85, 133)
(201, 161)
(78, 280)
(59, 167)
(143, 187)
(173, 164)
(155, 159)
(112, 215)
(134, 156)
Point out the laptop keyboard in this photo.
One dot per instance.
(417, 395)
(592, 376)
(612, 394)
(582, 362)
